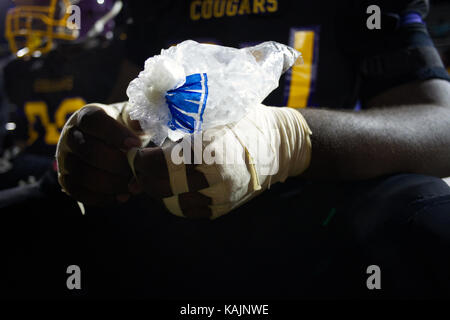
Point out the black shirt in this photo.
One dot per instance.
(332, 36)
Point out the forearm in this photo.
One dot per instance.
(382, 140)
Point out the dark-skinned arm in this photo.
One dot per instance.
(405, 129)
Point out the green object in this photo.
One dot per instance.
(330, 216)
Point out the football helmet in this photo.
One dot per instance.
(33, 26)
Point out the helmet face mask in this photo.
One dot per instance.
(34, 26)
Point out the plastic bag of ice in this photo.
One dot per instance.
(194, 86)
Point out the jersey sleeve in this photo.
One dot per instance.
(399, 52)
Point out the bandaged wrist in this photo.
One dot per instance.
(243, 159)
(295, 143)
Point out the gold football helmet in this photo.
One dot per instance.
(32, 25)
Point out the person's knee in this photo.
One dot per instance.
(403, 200)
(402, 224)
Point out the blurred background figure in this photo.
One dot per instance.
(4, 53)
(56, 48)
(58, 55)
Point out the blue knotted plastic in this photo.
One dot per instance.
(187, 103)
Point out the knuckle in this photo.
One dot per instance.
(94, 152)
(91, 152)
(87, 113)
(75, 139)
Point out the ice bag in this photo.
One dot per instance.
(192, 86)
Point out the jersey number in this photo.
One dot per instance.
(302, 77)
(39, 109)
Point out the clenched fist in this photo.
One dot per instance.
(91, 155)
(93, 166)
(99, 155)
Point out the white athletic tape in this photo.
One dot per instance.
(177, 172)
(178, 180)
(273, 144)
(173, 205)
(131, 155)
